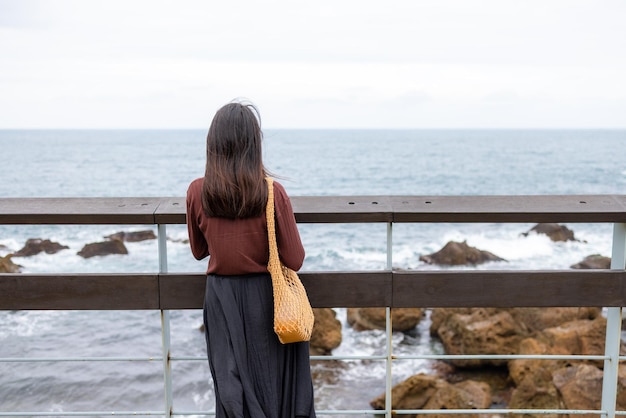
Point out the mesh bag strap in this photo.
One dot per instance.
(271, 225)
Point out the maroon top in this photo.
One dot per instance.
(240, 246)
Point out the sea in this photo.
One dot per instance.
(161, 163)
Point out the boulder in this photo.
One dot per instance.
(482, 331)
(35, 246)
(429, 392)
(539, 383)
(583, 336)
(7, 265)
(326, 334)
(594, 261)
(103, 248)
(580, 387)
(533, 378)
(555, 232)
(134, 236)
(501, 330)
(459, 253)
(402, 319)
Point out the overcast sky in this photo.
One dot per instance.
(315, 64)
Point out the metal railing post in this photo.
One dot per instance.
(389, 245)
(613, 328)
(165, 327)
(389, 329)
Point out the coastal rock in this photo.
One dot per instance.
(594, 261)
(7, 265)
(459, 253)
(584, 336)
(579, 387)
(35, 246)
(556, 232)
(539, 383)
(326, 334)
(103, 248)
(134, 236)
(402, 319)
(501, 330)
(480, 332)
(429, 392)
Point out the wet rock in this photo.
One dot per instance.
(103, 248)
(35, 246)
(459, 253)
(556, 232)
(326, 334)
(429, 392)
(595, 261)
(7, 265)
(134, 236)
(402, 319)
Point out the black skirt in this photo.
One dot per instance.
(254, 375)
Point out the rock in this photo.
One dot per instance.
(468, 394)
(134, 236)
(482, 331)
(580, 387)
(533, 379)
(326, 334)
(103, 248)
(501, 330)
(7, 265)
(595, 261)
(555, 232)
(429, 392)
(584, 336)
(35, 246)
(412, 393)
(402, 319)
(537, 382)
(459, 253)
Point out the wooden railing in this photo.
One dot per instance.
(388, 288)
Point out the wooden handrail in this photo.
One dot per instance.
(397, 289)
(329, 209)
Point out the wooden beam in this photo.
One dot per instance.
(348, 289)
(78, 291)
(601, 288)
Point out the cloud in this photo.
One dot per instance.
(72, 63)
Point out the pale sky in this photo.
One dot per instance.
(316, 64)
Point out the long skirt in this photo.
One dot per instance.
(255, 376)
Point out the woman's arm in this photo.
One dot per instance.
(290, 246)
(197, 242)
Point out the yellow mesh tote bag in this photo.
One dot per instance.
(293, 315)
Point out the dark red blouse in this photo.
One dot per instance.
(240, 246)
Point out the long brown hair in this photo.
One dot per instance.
(234, 179)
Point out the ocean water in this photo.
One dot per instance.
(77, 163)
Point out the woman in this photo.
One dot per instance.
(254, 375)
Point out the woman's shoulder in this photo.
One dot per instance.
(195, 187)
(279, 189)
